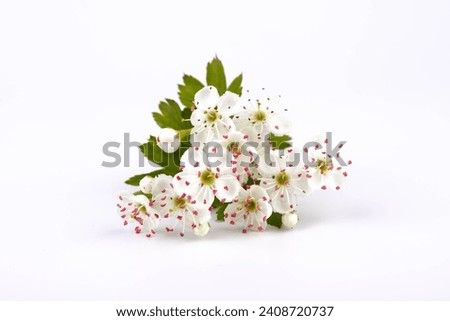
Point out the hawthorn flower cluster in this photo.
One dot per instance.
(226, 170)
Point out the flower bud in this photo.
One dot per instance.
(289, 220)
(202, 229)
(146, 184)
(168, 140)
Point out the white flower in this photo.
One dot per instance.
(138, 209)
(239, 154)
(186, 211)
(327, 172)
(283, 177)
(168, 140)
(261, 116)
(145, 185)
(251, 207)
(202, 183)
(289, 220)
(211, 119)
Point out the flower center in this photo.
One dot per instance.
(234, 148)
(282, 179)
(324, 165)
(260, 116)
(251, 205)
(180, 202)
(207, 177)
(212, 116)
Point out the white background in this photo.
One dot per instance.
(77, 74)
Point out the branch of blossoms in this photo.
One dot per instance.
(214, 159)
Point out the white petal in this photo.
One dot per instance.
(227, 187)
(162, 205)
(160, 183)
(203, 214)
(299, 182)
(227, 103)
(225, 125)
(258, 193)
(192, 158)
(279, 125)
(233, 136)
(269, 185)
(204, 196)
(125, 196)
(269, 163)
(198, 117)
(284, 201)
(248, 129)
(140, 199)
(266, 209)
(230, 213)
(206, 97)
(316, 180)
(186, 182)
(150, 223)
(143, 200)
(202, 135)
(241, 175)
(335, 179)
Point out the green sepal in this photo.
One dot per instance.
(149, 196)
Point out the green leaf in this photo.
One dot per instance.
(170, 116)
(250, 181)
(188, 89)
(280, 142)
(220, 212)
(170, 161)
(275, 220)
(216, 203)
(159, 157)
(186, 113)
(236, 85)
(215, 75)
(134, 181)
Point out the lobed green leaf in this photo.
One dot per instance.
(215, 75)
(236, 85)
(170, 116)
(280, 142)
(188, 89)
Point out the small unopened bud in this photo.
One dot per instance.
(202, 229)
(146, 184)
(168, 140)
(289, 220)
